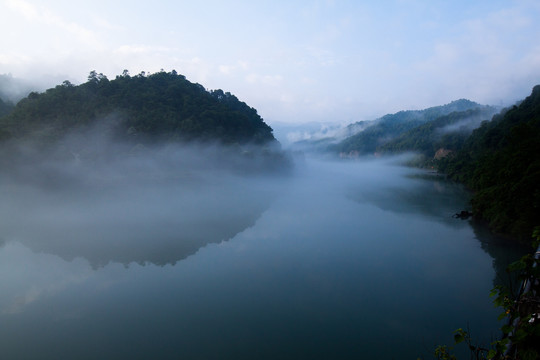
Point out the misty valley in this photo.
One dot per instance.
(147, 217)
(335, 260)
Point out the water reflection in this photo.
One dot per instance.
(348, 260)
(502, 250)
(29, 277)
(433, 196)
(159, 223)
(419, 192)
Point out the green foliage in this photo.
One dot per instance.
(393, 125)
(445, 132)
(444, 352)
(145, 108)
(500, 163)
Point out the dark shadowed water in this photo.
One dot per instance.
(352, 260)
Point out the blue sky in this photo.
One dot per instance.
(294, 61)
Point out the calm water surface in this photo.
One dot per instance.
(342, 260)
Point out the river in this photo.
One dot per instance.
(341, 260)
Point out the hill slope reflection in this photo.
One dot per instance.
(157, 208)
(320, 275)
(419, 192)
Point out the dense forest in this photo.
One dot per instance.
(143, 119)
(145, 108)
(391, 126)
(500, 163)
(440, 136)
(497, 159)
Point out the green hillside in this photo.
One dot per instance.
(500, 161)
(158, 107)
(445, 134)
(391, 126)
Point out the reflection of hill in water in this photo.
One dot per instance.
(160, 223)
(430, 196)
(437, 198)
(503, 251)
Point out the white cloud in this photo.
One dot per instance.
(29, 11)
(226, 70)
(45, 16)
(243, 64)
(271, 80)
(483, 58)
(142, 49)
(14, 59)
(132, 49)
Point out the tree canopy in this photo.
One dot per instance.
(447, 132)
(500, 162)
(156, 107)
(391, 126)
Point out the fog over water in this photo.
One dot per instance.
(129, 203)
(179, 252)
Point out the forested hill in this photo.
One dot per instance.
(144, 108)
(391, 126)
(500, 161)
(441, 136)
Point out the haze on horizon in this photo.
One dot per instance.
(295, 62)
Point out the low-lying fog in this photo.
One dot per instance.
(133, 203)
(161, 204)
(332, 259)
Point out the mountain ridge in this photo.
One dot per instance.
(157, 107)
(391, 126)
(500, 163)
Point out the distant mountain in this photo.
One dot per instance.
(158, 107)
(288, 133)
(391, 126)
(13, 89)
(440, 136)
(500, 162)
(325, 137)
(5, 107)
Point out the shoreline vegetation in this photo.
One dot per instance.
(493, 152)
